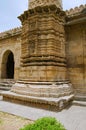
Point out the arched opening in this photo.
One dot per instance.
(10, 66)
(7, 70)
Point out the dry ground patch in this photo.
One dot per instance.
(11, 122)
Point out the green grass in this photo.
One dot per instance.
(1, 122)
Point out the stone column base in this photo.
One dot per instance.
(48, 95)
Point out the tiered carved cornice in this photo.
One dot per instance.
(39, 10)
(43, 36)
(44, 60)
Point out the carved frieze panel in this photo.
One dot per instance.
(32, 25)
(31, 47)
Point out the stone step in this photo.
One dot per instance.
(42, 90)
(6, 84)
(80, 98)
(5, 88)
(79, 103)
(42, 93)
(39, 102)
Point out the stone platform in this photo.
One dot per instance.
(45, 95)
(54, 104)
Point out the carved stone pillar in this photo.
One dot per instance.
(43, 72)
(43, 45)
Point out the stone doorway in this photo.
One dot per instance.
(7, 70)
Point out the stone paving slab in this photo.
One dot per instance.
(73, 118)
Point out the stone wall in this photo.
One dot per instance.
(76, 56)
(10, 41)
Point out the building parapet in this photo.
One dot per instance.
(10, 33)
(77, 10)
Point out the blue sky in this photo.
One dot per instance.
(10, 9)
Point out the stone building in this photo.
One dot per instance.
(46, 56)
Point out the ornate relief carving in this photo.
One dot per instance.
(32, 25)
(31, 47)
